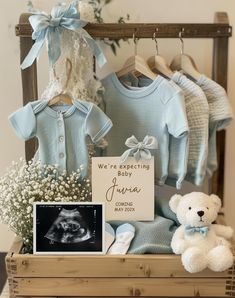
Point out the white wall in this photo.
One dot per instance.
(141, 11)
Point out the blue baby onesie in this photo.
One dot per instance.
(157, 110)
(61, 131)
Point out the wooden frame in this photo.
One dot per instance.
(129, 275)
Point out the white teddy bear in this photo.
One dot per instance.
(201, 243)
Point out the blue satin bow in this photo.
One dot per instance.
(140, 150)
(191, 230)
(50, 26)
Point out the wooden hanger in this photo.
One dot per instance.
(136, 65)
(185, 62)
(157, 63)
(63, 97)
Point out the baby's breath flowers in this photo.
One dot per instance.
(26, 183)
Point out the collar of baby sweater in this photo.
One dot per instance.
(82, 105)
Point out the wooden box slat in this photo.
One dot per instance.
(108, 266)
(179, 287)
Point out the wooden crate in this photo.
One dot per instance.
(111, 276)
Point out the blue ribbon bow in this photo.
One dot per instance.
(50, 26)
(140, 150)
(191, 230)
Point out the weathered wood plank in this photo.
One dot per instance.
(29, 85)
(15, 247)
(143, 30)
(112, 296)
(177, 287)
(104, 266)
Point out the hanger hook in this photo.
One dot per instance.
(68, 66)
(181, 40)
(135, 40)
(155, 39)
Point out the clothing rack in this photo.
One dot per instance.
(219, 31)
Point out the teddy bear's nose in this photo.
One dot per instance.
(200, 213)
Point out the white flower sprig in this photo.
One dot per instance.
(26, 183)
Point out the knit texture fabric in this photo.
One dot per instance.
(145, 111)
(61, 131)
(220, 116)
(153, 237)
(197, 111)
(188, 154)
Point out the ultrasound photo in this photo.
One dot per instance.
(68, 228)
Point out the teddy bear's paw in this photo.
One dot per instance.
(220, 258)
(179, 246)
(228, 233)
(194, 260)
(222, 241)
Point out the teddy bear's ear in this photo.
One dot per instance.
(216, 200)
(174, 202)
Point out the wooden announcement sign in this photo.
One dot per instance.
(127, 189)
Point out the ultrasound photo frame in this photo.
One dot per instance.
(68, 228)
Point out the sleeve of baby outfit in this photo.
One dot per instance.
(224, 109)
(176, 119)
(97, 124)
(23, 122)
(220, 110)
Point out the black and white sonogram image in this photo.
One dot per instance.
(68, 228)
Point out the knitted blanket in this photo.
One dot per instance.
(153, 237)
